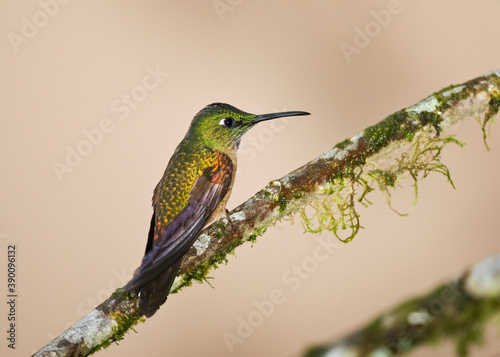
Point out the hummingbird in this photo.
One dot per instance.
(192, 192)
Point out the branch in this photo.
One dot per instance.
(323, 192)
(460, 308)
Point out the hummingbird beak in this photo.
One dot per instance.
(264, 117)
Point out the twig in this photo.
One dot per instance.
(458, 309)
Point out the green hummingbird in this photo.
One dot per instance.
(192, 192)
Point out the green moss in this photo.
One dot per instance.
(450, 95)
(409, 135)
(200, 274)
(379, 135)
(258, 232)
(488, 117)
(298, 193)
(124, 324)
(335, 210)
(431, 118)
(383, 177)
(220, 257)
(405, 123)
(121, 294)
(470, 324)
(344, 144)
(220, 228)
(278, 197)
(283, 203)
(316, 352)
(252, 238)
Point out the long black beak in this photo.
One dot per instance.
(264, 117)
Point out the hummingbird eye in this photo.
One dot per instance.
(227, 122)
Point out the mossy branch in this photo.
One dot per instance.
(458, 309)
(324, 192)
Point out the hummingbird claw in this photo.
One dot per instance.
(229, 220)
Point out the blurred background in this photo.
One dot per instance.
(96, 95)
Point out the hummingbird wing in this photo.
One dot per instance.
(167, 245)
(173, 241)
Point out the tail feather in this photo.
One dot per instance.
(154, 293)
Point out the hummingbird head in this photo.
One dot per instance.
(221, 126)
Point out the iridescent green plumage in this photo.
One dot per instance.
(193, 190)
(171, 194)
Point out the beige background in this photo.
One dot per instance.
(81, 238)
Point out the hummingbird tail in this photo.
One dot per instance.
(154, 293)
